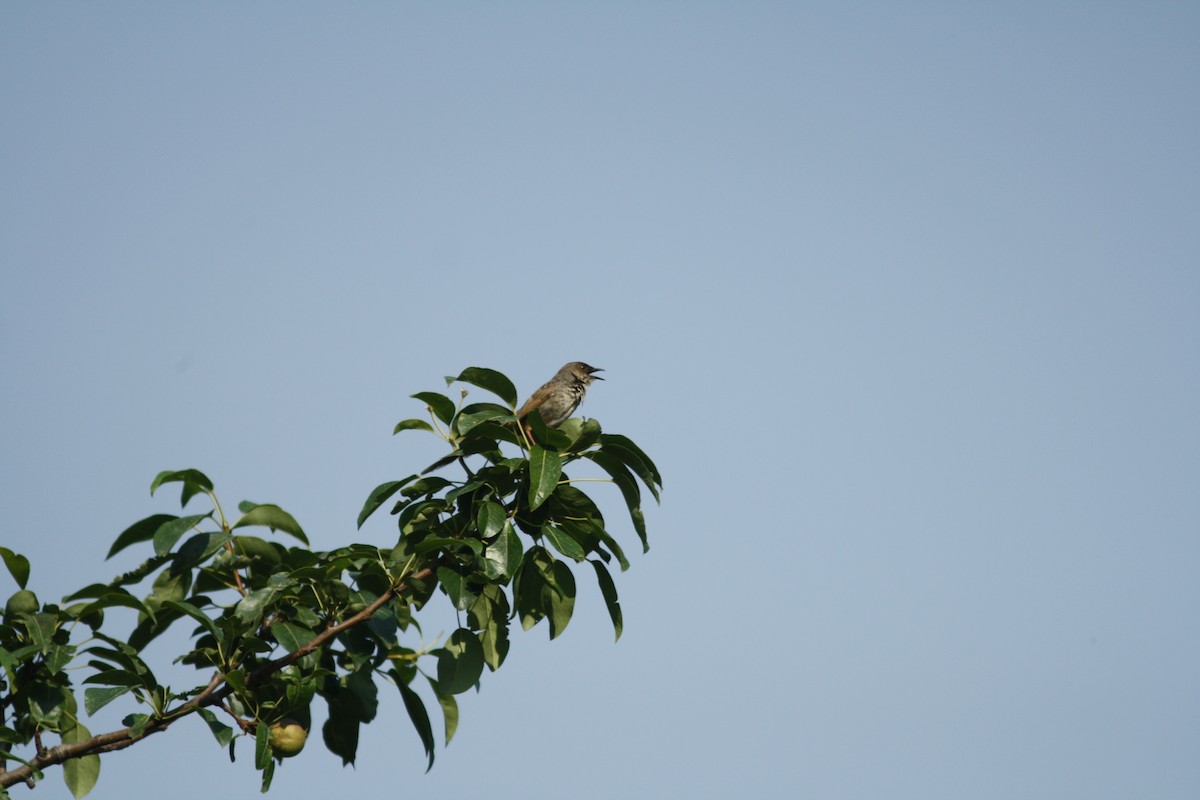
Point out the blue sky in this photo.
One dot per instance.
(903, 300)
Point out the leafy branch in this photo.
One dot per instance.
(279, 627)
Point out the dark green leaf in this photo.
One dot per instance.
(460, 662)
(612, 545)
(489, 520)
(582, 433)
(411, 425)
(168, 586)
(551, 438)
(137, 724)
(18, 566)
(58, 657)
(456, 587)
(119, 677)
(479, 413)
(194, 482)
(503, 556)
(426, 486)
(545, 467)
(140, 531)
(81, 773)
(560, 598)
(291, 636)
(268, 775)
(198, 615)
(220, 731)
(262, 745)
(170, 532)
(629, 489)
(95, 699)
(198, 549)
(449, 710)
(41, 628)
(341, 729)
(138, 573)
(418, 715)
(270, 516)
(633, 457)
(609, 590)
(251, 607)
(48, 704)
(495, 382)
(563, 543)
(442, 406)
(379, 496)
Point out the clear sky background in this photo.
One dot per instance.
(903, 299)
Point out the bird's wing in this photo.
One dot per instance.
(535, 401)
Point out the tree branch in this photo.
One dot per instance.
(209, 696)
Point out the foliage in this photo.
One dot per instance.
(275, 627)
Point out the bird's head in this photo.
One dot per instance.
(582, 372)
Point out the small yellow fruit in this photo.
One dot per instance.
(287, 738)
(22, 602)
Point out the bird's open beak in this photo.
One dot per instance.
(594, 371)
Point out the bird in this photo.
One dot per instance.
(556, 400)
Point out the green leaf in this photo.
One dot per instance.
(41, 629)
(545, 467)
(412, 425)
(220, 731)
(477, 414)
(140, 531)
(454, 585)
(95, 699)
(489, 520)
(168, 585)
(609, 590)
(194, 482)
(379, 496)
(18, 566)
(291, 636)
(270, 516)
(262, 745)
(503, 556)
(340, 731)
(442, 406)
(528, 584)
(251, 607)
(362, 694)
(559, 598)
(494, 639)
(612, 545)
(137, 724)
(449, 710)
(634, 458)
(460, 662)
(48, 704)
(582, 433)
(495, 382)
(170, 532)
(418, 715)
(268, 774)
(629, 489)
(58, 657)
(119, 677)
(198, 615)
(563, 543)
(551, 438)
(80, 773)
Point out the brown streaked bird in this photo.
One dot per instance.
(558, 397)
(556, 400)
